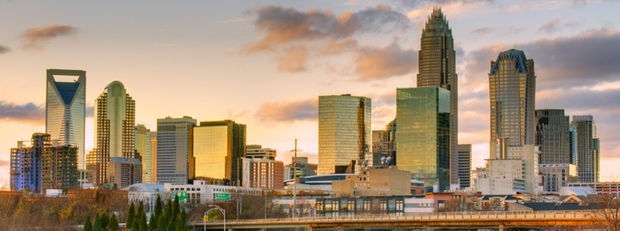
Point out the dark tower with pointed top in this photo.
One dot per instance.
(436, 68)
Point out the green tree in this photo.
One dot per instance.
(168, 211)
(162, 223)
(143, 225)
(176, 207)
(153, 223)
(130, 216)
(104, 220)
(158, 206)
(113, 222)
(97, 223)
(88, 226)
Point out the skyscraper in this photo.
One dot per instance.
(115, 113)
(384, 145)
(218, 149)
(256, 151)
(43, 164)
(175, 147)
(572, 138)
(344, 132)
(144, 147)
(512, 86)
(552, 135)
(423, 135)
(464, 166)
(437, 68)
(65, 109)
(588, 160)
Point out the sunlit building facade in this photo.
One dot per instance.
(384, 145)
(437, 68)
(65, 109)
(423, 135)
(588, 160)
(175, 147)
(115, 113)
(218, 149)
(255, 151)
(344, 132)
(512, 88)
(144, 146)
(552, 136)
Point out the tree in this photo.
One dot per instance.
(130, 216)
(113, 222)
(176, 207)
(607, 213)
(143, 225)
(97, 222)
(88, 226)
(104, 220)
(153, 222)
(158, 206)
(162, 223)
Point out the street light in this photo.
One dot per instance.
(214, 207)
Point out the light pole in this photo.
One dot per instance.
(218, 208)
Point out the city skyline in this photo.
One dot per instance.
(283, 105)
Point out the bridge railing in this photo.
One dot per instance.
(472, 215)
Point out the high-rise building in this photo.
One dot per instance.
(572, 139)
(437, 68)
(263, 173)
(144, 146)
(384, 145)
(153, 157)
(552, 136)
(588, 160)
(255, 151)
(344, 132)
(423, 135)
(115, 113)
(125, 171)
(303, 168)
(65, 109)
(464, 167)
(512, 86)
(43, 164)
(175, 147)
(218, 149)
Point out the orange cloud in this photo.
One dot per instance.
(288, 111)
(34, 38)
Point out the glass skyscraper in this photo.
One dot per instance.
(115, 113)
(175, 149)
(437, 68)
(588, 160)
(464, 166)
(144, 147)
(218, 149)
(423, 135)
(552, 135)
(65, 109)
(344, 132)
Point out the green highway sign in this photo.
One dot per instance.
(179, 193)
(222, 196)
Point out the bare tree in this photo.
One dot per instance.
(606, 212)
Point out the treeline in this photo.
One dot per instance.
(19, 212)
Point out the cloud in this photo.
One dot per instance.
(234, 20)
(4, 163)
(4, 49)
(482, 30)
(288, 111)
(29, 112)
(550, 26)
(382, 63)
(286, 25)
(293, 60)
(35, 38)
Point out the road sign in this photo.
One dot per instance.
(205, 218)
(222, 196)
(179, 193)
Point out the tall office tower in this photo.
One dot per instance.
(218, 149)
(303, 168)
(512, 86)
(588, 160)
(344, 132)
(65, 109)
(423, 135)
(43, 164)
(145, 149)
(125, 171)
(553, 136)
(255, 151)
(175, 147)
(384, 145)
(572, 139)
(153, 179)
(464, 167)
(437, 68)
(115, 113)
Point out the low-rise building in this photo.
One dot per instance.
(556, 176)
(385, 181)
(201, 193)
(612, 188)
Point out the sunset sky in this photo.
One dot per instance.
(264, 63)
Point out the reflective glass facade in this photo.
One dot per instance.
(588, 159)
(437, 68)
(65, 109)
(218, 149)
(144, 147)
(423, 134)
(344, 132)
(552, 135)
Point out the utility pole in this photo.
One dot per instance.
(295, 179)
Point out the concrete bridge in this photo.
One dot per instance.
(423, 221)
